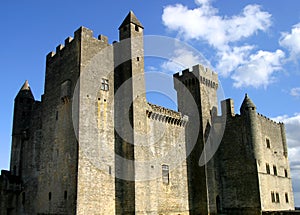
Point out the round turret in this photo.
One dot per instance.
(247, 105)
(25, 92)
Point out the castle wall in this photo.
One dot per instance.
(273, 153)
(161, 185)
(93, 145)
(237, 172)
(95, 99)
(57, 176)
(196, 95)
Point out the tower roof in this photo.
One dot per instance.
(247, 103)
(131, 18)
(25, 91)
(25, 86)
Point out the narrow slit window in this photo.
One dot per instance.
(277, 198)
(273, 197)
(285, 173)
(268, 143)
(286, 197)
(66, 195)
(109, 170)
(275, 170)
(165, 174)
(268, 168)
(50, 196)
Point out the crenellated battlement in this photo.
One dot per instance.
(268, 119)
(199, 74)
(81, 33)
(162, 114)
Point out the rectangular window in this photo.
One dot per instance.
(285, 173)
(66, 195)
(268, 143)
(268, 168)
(104, 84)
(277, 198)
(275, 170)
(165, 174)
(286, 197)
(273, 197)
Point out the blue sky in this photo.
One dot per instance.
(254, 45)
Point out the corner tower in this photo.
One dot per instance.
(130, 108)
(197, 87)
(24, 102)
(248, 112)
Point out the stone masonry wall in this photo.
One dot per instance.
(273, 153)
(57, 173)
(95, 94)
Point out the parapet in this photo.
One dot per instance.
(79, 34)
(268, 119)
(162, 114)
(199, 74)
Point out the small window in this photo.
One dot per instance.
(268, 168)
(138, 58)
(275, 170)
(285, 173)
(104, 84)
(268, 143)
(66, 195)
(56, 116)
(50, 196)
(277, 198)
(137, 28)
(273, 197)
(109, 170)
(286, 197)
(165, 174)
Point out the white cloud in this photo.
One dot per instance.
(183, 59)
(291, 41)
(203, 24)
(247, 69)
(295, 92)
(259, 69)
(203, 2)
(231, 59)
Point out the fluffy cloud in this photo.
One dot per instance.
(182, 59)
(295, 92)
(203, 24)
(259, 69)
(231, 59)
(291, 41)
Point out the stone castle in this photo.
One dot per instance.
(94, 145)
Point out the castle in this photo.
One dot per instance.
(94, 145)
